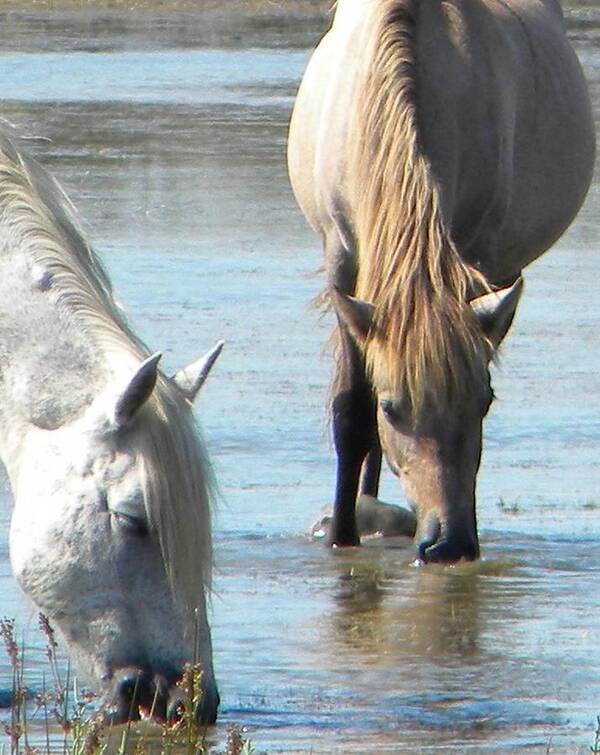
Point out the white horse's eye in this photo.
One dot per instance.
(137, 525)
(129, 512)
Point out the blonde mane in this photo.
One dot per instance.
(177, 479)
(426, 342)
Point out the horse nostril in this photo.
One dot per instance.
(422, 550)
(448, 551)
(128, 685)
(430, 533)
(205, 710)
(176, 706)
(133, 687)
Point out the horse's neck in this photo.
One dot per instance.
(57, 317)
(49, 369)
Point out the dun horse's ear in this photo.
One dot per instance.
(191, 379)
(495, 311)
(138, 390)
(357, 315)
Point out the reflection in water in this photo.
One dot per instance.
(436, 615)
(443, 617)
(425, 641)
(358, 621)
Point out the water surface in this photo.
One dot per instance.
(171, 141)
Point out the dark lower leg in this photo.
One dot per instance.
(371, 472)
(353, 426)
(353, 409)
(344, 530)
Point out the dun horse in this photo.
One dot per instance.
(110, 533)
(438, 147)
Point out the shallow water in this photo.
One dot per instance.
(171, 140)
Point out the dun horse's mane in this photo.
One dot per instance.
(177, 480)
(426, 342)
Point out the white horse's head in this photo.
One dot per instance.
(110, 537)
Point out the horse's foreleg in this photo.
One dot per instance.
(353, 411)
(355, 437)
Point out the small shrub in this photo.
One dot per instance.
(68, 713)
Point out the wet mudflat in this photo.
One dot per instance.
(169, 133)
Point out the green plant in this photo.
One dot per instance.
(595, 748)
(508, 508)
(237, 745)
(70, 715)
(16, 729)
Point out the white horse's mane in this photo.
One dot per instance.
(177, 479)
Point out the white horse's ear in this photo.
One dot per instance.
(495, 311)
(357, 315)
(138, 391)
(191, 379)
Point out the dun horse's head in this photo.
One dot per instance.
(435, 446)
(110, 537)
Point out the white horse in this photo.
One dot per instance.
(438, 148)
(110, 533)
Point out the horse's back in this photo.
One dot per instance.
(503, 119)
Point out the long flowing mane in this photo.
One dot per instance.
(177, 479)
(426, 341)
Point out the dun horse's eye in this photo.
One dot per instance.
(389, 409)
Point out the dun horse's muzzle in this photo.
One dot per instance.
(446, 547)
